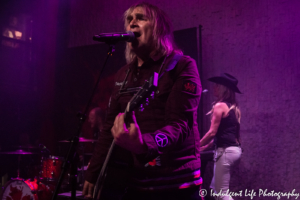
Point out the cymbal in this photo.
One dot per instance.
(19, 151)
(81, 139)
(26, 147)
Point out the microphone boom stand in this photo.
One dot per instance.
(72, 157)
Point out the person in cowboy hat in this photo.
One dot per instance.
(224, 132)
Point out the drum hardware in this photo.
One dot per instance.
(42, 186)
(18, 152)
(80, 170)
(46, 176)
(81, 139)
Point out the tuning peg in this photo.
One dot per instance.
(141, 108)
(147, 101)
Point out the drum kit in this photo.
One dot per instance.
(40, 187)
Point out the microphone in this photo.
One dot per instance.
(129, 36)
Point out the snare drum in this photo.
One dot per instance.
(26, 190)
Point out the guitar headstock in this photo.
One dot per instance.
(140, 97)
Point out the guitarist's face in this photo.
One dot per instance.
(139, 23)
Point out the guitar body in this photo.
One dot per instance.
(115, 184)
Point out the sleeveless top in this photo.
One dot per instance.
(228, 131)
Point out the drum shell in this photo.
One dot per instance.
(51, 167)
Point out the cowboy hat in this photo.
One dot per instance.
(226, 80)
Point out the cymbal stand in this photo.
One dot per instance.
(71, 157)
(18, 170)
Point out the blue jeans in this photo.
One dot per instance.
(224, 159)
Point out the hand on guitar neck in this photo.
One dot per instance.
(128, 137)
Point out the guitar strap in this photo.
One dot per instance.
(172, 64)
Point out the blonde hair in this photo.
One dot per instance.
(227, 95)
(162, 31)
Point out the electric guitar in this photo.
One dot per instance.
(136, 101)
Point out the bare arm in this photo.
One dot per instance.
(215, 123)
(208, 146)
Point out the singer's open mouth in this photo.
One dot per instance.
(136, 34)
